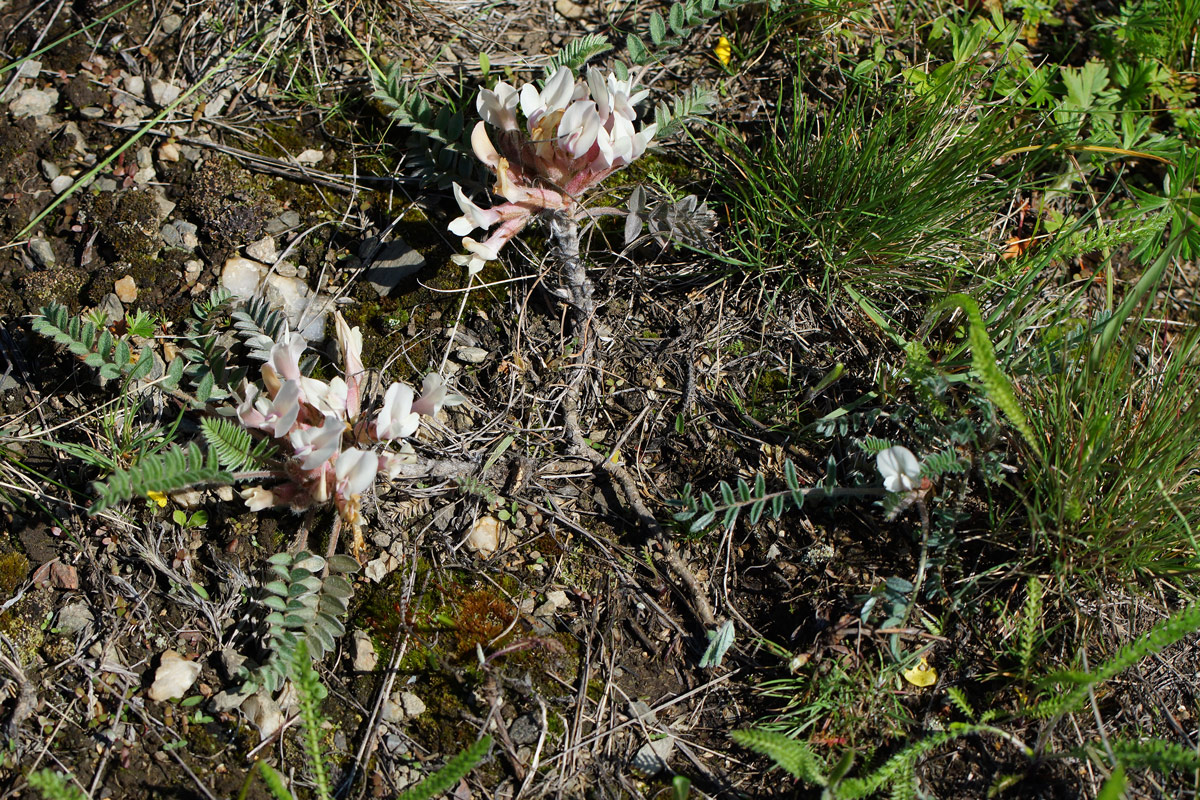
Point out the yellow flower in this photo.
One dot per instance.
(723, 51)
(921, 675)
(157, 497)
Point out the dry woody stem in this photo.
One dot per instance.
(565, 232)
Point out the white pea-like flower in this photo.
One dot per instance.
(900, 469)
(355, 471)
(396, 418)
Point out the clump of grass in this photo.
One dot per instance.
(891, 192)
(1116, 492)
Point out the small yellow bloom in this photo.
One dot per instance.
(157, 497)
(921, 675)
(723, 51)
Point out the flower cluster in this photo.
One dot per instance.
(576, 134)
(322, 426)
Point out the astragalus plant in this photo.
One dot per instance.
(575, 134)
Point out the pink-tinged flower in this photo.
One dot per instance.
(258, 498)
(252, 412)
(351, 344)
(391, 464)
(900, 469)
(482, 146)
(285, 356)
(328, 398)
(284, 409)
(396, 418)
(498, 106)
(434, 394)
(473, 216)
(355, 471)
(480, 254)
(316, 445)
(553, 97)
(578, 127)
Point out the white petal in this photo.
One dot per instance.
(559, 89)
(900, 469)
(357, 468)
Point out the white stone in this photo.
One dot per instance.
(171, 23)
(29, 69)
(484, 536)
(164, 93)
(61, 184)
(471, 355)
(264, 714)
(135, 85)
(175, 675)
(310, 156)
(126, 289)
(34, 103)
(144, 176)
(263, 250)
(305, 312)
(365, 658)
(168, 152)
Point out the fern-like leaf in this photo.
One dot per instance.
(578, 52)
(169, 471)
(792, 755)
(233, 445)
(983, 362)
(1162, 635)
(454, 771)
(1165, 757)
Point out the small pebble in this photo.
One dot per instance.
(91, 112)
(126, 289)
(263, 250)
(170, 234)
(50, 169)
(310, 156)
(112, 308)
(171, 23)
(34, 103)
(471, 355)
(164, 93)
(105, 185)
(144, 158)
(135, 85)
(285, 221)
(62, 183)
(42, 252)
(168, 152)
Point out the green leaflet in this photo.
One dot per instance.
(173, 469)
(983, 362)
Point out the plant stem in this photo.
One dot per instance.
(564, 231)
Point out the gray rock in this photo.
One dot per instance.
(144, 158)
(112, 307)
(471, 355)
(50, 170)
(42, 252)
(188, 232)
(62, 183)
(390, 264)
(285, 221)
(164, 93)
(170, 234)
(73, 618)
(106, 185)
(171, 23)
(413, 706)
(227, 700)
(29, 69)
(34, 103)
(92, 112)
